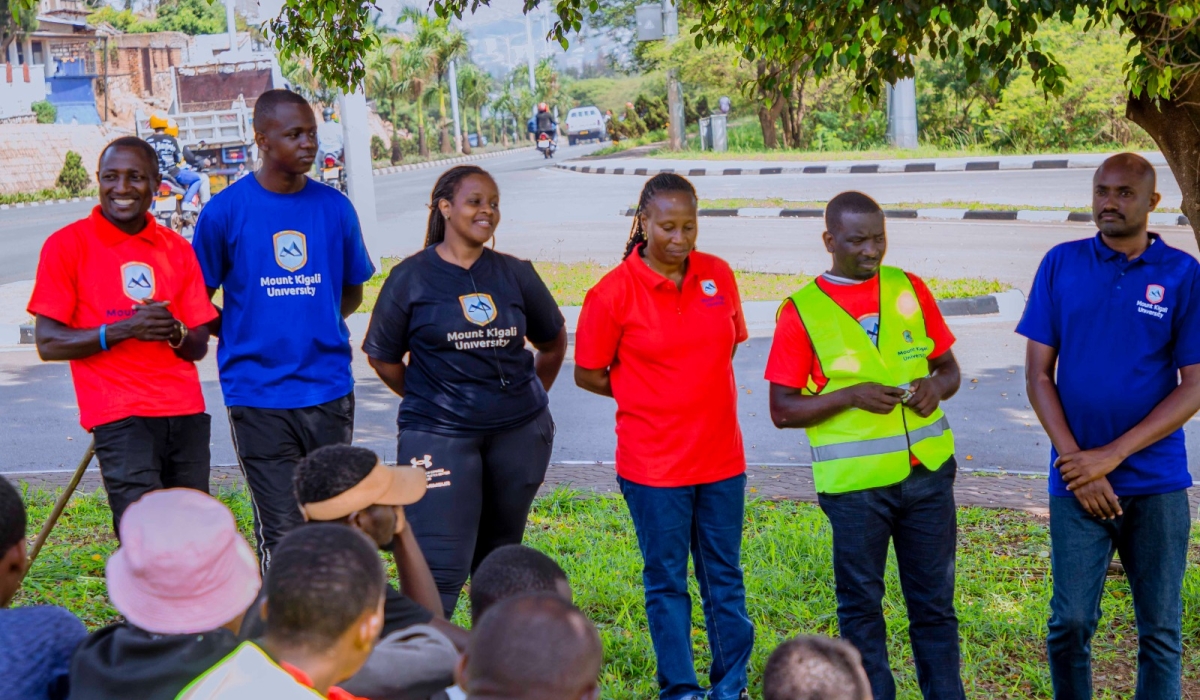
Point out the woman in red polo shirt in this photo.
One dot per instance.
(658, 334)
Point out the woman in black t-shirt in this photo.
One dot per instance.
(474, 411)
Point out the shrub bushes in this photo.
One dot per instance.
(45, 111)
(74, 177)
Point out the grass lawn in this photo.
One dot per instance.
(1002, 598)
(782, 203)
(569, 282)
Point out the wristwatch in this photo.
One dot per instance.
(183, 331)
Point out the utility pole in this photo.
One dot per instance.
(676, 129)
(529, 56)
(231, 25)
(902, 113)
(360, 185)
(454, 107)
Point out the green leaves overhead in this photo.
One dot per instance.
(331, 34)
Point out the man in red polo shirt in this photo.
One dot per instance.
(658, 334)
(122, 299)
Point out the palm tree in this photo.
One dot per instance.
(475, 88)
(302, 79)
(444, 43)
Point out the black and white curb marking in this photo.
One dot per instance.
(1032, 215)
(444, 162)
(849, 167)
(47, 203)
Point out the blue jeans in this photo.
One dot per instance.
(191, 180)
(1152, 539)
(918, 516)
(707, 520)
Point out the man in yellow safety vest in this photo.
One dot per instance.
(861, 359)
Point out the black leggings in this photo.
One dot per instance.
(480, 491)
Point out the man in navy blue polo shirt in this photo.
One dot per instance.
(1119, 314)
(289, 256)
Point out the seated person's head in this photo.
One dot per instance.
(182, 567)
(815, 668)
(12, 541)
(513, 570)
(347, 484)
(532, 647)
(325, 593)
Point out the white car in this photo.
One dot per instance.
(585, 123)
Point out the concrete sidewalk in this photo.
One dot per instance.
(772, 483)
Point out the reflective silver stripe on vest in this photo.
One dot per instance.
(879, 446)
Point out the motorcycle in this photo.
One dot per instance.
(171, 211)
(546, 145)
(333, 172)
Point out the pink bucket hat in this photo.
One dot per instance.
(182, 567)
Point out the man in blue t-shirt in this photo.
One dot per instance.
(1119, 315)
(289, 255)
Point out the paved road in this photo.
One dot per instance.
(991, 416)
(556, 215)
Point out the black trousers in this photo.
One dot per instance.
(480, 490)
(269, 443)
(138, 455)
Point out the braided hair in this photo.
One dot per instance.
(445, 188)
(660, 183)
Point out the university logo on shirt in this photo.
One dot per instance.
(137, 281)
(709, 287)
(291, 250)
(478, 308)
(1155, 293)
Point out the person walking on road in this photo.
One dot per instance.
(861, 360)
(289, 256)
(658, 334)
(1112, 365)
(475, 409)
(122, 298)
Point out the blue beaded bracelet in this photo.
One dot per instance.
(103, 337)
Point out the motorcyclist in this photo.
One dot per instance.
(194, 163)
(170, 156)
(329, 138)
(545, 123)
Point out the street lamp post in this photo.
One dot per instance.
(458, 145)
(675, 128)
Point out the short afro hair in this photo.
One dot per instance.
(814, 668)
(12, 516)
(848, 203)
(330, 470)
(533, 646)
(135, 143)
(322, 579)
(264, 107)
(509, 571)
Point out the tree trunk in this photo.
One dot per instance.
(397, 154)
(767, 115)
(445, 141)
(1175, 127)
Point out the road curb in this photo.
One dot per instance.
(47, 203)
(445, 161)
(1033, 215)
(848, 167)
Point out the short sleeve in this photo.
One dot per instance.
(210, 241)
(387, 332)
(192, 305)
(358, 265)
(543, 319)
(790, 362)
(741, 333)
(935, 323)
(55, 293)
(598, 332)
(1038, 321)
(1187, 324)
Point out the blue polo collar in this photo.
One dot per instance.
(1151, 256)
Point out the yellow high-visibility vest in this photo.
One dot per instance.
(856, 449)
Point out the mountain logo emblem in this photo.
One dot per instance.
(478, 308)
(291, 250)
(137, 281)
